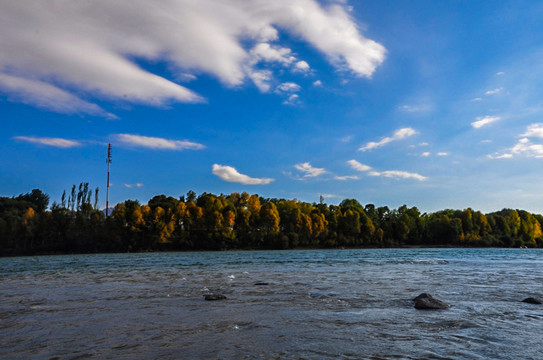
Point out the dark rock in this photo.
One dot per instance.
(212, 297)
(532, 300)
(427, 302)
(261, 283)
(422, 296)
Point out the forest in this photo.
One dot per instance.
(28, 225)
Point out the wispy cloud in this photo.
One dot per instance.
(442, 153)
(500, 156)
(309, 170)
(54, 142)
(46, 96)
(425, 154)
(317, 83)
(358, 166)
(398, 174)
(230, 174)
(483, 121)
(493, 91)
(157, 143)
(96, 49)
(137, 185)
(398, 135)
(346, 177)
(414, 108)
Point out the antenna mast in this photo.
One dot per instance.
(108, 161)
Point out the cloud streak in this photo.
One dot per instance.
(483, 121)
(399, 174)
(157, 143)
(46, 96)
(358, 166)
(230, 174)
(54, 142)
(346, 177)
(493, 91)
(398, 135)
(53, 47)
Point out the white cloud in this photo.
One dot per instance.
(534, 130)
(442, 154)
(525, 146)
(317, 83)
(270, 53)
(398, 174)
(137, 185)
(346, 177)
(502, 156)
(46, 96)
(477, 99)
(292, 100)
(425, 154)
(493, 91)
(55, 142)
(287, 87)
(302, 66)
(309, 170)
(96, 46)
(500, 73)
(261, 78)
(158, 143)
(483, 121)
(328, 196)
(358, 166)
(398, 135)
(230, 174)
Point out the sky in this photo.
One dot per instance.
(433, 104)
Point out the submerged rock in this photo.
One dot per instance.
(532, 300)
(427, 302)
(213, 297)
(261, 283)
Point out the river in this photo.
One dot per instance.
(308, 304)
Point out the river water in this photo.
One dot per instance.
(316, 304)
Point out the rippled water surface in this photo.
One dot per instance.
(322, 304)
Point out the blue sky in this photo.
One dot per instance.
(434, 104)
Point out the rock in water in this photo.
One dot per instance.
(212, 297)
(261, 283)
(532, 300)
(427, 302)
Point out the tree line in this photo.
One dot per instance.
(243, 221)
